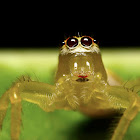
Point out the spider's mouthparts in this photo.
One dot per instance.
(82, 79)
(82, 76)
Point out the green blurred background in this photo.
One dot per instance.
(62, 125)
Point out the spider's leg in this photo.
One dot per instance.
(126, 119)
(4, 102)
(38, 93)
(133, 85)
(15, 112)
(119, 97)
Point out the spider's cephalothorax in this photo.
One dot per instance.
(78, 58)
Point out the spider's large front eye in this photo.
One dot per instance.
(86, 41)
(72, 42)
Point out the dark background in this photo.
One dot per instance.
(112, 24)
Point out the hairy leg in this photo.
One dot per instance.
(38, 93)
(121, 97)
(126, 119)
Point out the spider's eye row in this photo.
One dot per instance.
(72, 42)
(86, 41)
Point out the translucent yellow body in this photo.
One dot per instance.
(81, 84)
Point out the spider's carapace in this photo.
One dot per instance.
(80, 58)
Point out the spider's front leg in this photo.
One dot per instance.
(42, 94)
(120, 97)
(12, 95)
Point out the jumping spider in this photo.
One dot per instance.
(81, 84)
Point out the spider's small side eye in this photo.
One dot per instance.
(72, 42)
(86, 41)
(62, 43)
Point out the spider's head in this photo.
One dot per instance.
(79, 45)
(80, 58)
